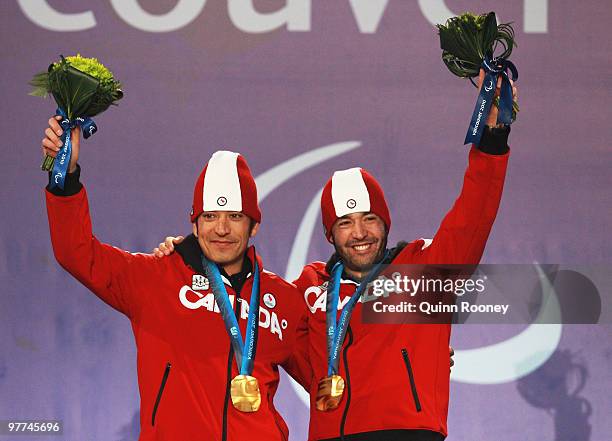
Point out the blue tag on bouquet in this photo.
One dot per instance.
(493, 69)
(62, 160)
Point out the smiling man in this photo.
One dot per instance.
(389, 382)
(208, 352)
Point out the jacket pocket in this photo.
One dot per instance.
(415, 394)
(160, 392)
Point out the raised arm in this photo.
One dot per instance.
(463, 233)
(100, 267)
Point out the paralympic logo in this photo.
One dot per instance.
(497, 363)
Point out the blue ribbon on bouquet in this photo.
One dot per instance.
(62, 160)
(493, 67)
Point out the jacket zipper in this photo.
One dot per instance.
(160, 392)
(415, 395)
(228, 380)
(348, 382)
(227, 391)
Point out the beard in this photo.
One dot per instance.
(362, 264)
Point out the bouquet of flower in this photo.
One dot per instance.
(82, 88)
(468, 39)
(470, 42)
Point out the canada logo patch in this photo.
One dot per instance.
(199, 282)
(269, 300)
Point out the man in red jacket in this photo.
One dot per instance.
(211, 326)
(388, 383)
(394, 379)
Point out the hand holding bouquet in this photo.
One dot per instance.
(470, 42)
(82, 88)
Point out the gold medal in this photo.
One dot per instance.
(329, 393)
(245, 393)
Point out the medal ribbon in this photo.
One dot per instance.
(493, 69)
(62, 160)
(244, 351)
(336, 330)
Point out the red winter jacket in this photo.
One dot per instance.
(379, 362)
(185, 361)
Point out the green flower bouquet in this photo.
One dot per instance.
(467, 40)
(82, 88)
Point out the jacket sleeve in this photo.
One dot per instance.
(298, 364)
(100, 267)
(464, 231)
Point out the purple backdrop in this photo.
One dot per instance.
(362, 79)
